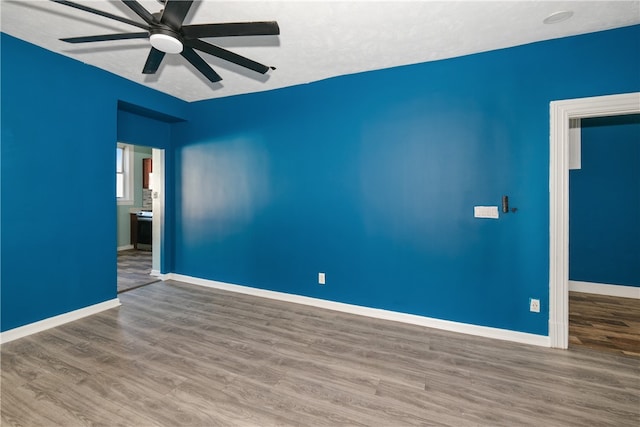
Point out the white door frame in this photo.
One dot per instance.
(561, 112)
(157, 194)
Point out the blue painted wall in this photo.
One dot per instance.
(604, 206)
(59, 130)
(372, 178)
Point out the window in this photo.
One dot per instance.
(124, 174)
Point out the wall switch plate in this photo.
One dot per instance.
(534, 305)
(321, 278)
(485, 212)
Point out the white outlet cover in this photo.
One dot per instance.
(485, 212)
(321, 278)
(534, 305)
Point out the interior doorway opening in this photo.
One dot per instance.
(604, 256)
(561, 115)
(140, 215)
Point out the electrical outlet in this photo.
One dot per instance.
(321, 278)
(534, 305)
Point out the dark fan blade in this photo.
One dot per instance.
(153, 61)
(191, 56)
(226, 55)
(105, 37)
(174, 12)
(101, 13)
(230, 29)
(141, 11)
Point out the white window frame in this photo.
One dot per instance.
(128, 170)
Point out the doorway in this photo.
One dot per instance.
(561, 113)
(604, 256)
(140, 215)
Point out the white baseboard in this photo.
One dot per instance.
(52, 322)
(464, 328)
(161, 276)
(125, 248)
(605, 289)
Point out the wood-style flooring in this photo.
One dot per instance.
(180, 355)
(604, 323)
(134, 269)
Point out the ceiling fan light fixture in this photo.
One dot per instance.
(166, 43)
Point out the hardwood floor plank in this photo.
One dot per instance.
(134, 268)
(448, 411)
(176, 354)
(605, 323)
(70, 404)
(26, 406)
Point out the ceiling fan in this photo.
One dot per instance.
(167, 35)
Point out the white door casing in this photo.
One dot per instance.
(157, 187)
(561, 112)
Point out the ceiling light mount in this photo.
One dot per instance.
(559, 16)
(166, 40)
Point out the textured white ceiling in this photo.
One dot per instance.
(318, 40)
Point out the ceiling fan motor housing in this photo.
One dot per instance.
(165, 39)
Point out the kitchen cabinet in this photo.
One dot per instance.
(147, 168)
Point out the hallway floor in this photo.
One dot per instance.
(134, 269)
(604, 323)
